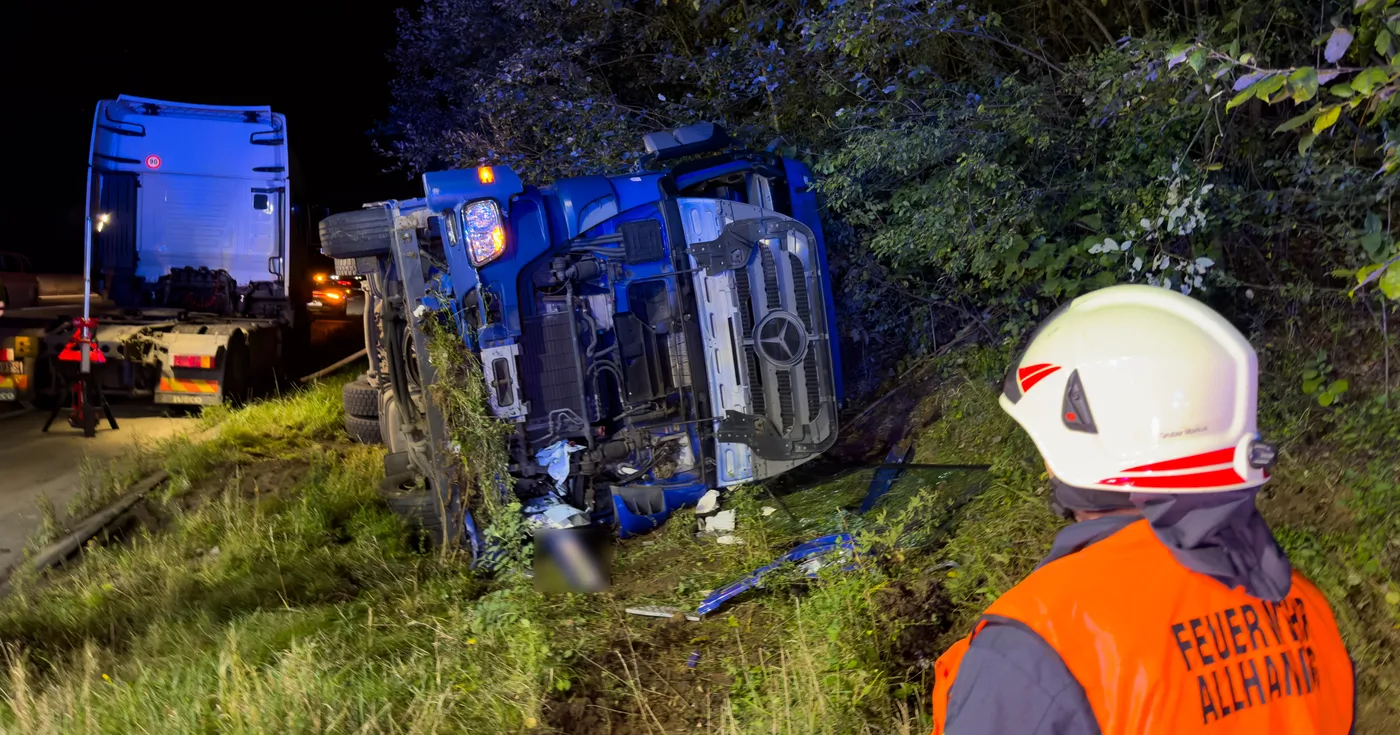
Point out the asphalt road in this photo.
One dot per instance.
(33, 463)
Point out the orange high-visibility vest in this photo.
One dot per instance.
(1159, 648)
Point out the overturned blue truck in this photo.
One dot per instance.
(649, 336)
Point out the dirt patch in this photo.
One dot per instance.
(653, 574)
(921, 614)
(261, 480)
(891, 416)
(655, 676)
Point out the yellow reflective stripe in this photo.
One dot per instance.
(176, 385)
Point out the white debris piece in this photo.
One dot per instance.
(555, 458)
(657, 611)
(708, 502)
(729, 539)
(420, 311)
(769, 510)
(721, 521)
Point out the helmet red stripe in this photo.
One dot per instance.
(1027, 370)
(1194, 480)
(1219, 456)
(1028, 382)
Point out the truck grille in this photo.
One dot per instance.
(797, 397)
(780, 338)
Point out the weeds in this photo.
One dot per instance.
(478, 437)
(50, 527)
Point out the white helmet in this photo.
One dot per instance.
(1141, 389)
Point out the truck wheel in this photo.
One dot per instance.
(418, 507)
(365, 431)
(360, 399)
(364, 232)
(421, 509)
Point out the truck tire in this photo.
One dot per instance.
(420, 510)
(357, 234)
(365, 431)
(360, 399)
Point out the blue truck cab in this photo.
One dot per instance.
(648, 336)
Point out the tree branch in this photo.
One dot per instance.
(1108, 36)
(1008, 44)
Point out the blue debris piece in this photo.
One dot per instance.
(804, 552)
(885, 476)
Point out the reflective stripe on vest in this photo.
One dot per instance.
(1161, 649)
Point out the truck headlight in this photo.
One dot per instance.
(486, 237)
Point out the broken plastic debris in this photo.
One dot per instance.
(729, 539)
(721, 521)
(420, 311)
(555, 458)
(769, 510)
(708, 502)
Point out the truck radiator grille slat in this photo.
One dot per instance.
(786, 404)
(771, 290)
(809, 373)
(741, 285)
(803, 307)
(757, 401)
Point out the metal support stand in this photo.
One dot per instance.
(83, 395)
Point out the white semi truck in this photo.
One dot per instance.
(190, 259)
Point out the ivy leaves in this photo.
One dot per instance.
(1317, 381)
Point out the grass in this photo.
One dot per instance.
(279, 595)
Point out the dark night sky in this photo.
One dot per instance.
(321, 64)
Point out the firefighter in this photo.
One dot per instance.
(1168, 607)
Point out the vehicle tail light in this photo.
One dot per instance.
(327, 295)
(486, 237)
(485, 175)
(7, 354)
(194, 361)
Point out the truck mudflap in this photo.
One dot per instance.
(192, 370)
(760, 290)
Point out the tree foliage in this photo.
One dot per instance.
(979, 161)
